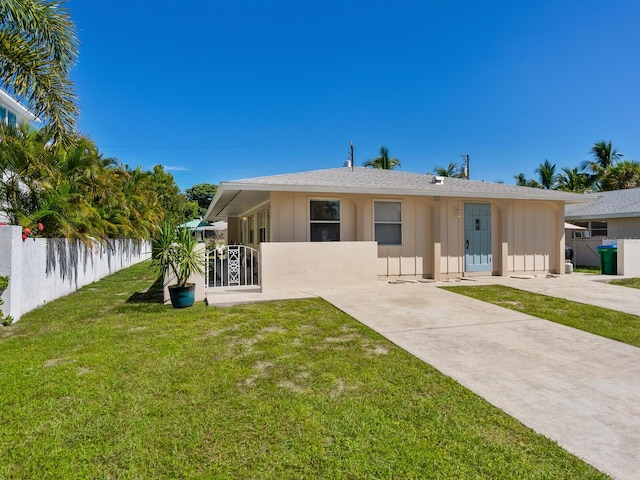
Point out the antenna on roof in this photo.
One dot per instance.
(465, 166)
(349, 161)
(351, 155)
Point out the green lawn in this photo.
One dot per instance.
(586, 269)
(620, 326)
(626, 282)
(107, 383)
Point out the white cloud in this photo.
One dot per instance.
(170, 168)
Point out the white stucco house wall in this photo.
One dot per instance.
(353, 225)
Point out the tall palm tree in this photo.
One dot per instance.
(622, 175)
(571, 180)
(450, 170)
(383, 161)
(38, 48)
(547, 174)
(603, 156)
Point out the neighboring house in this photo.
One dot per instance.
(614, 215)
(204, 230)
(12, 112)
(345, 226)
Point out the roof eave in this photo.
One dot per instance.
(603, 216)
(214, 201)
(17, 107)
(435, 192)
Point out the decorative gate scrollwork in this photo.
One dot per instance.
(232, 266)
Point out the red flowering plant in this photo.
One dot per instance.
(32, 232)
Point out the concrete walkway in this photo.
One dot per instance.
(578, 287)
(578, 389)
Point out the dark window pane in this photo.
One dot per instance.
(327, 210)
(389, 234)
(325, 232)
(599, 229)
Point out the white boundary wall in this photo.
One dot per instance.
(629, 257)
(43, 269)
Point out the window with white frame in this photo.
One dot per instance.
(263, 226)
(245, 230)
(324, 220)
(251, 229)
(388, 222)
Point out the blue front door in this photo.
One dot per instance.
(477, 237)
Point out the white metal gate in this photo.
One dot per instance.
(232, 266)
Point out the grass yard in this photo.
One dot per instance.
(620, 326)
(107, 383)
(626, 282)
(586, 269)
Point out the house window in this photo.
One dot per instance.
(8, 117)
(593, 229)
(251, 229)
(598, 229)
(245, 230)
(324, 222)
(388, 223)
(263, 226)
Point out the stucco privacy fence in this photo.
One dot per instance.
(628, 258)
(43, 269)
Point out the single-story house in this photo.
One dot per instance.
(613, 215)
(345, 226)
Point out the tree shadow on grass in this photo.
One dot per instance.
(153, 294)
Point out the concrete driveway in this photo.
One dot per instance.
(578, 389)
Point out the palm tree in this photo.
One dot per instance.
(383, 161)
(571, 180)
(38, 48)
(604, 155)
(521, 180)
(547, 174)
(450, 170)
(622, 175)
(23, 158)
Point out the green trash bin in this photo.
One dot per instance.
(608, 259)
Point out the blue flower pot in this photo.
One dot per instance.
(182, 297)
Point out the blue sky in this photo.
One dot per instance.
(227, 90)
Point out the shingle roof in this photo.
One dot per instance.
(372, 180)
(234, 198)
(614, 204)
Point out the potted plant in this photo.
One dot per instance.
(174, 255)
